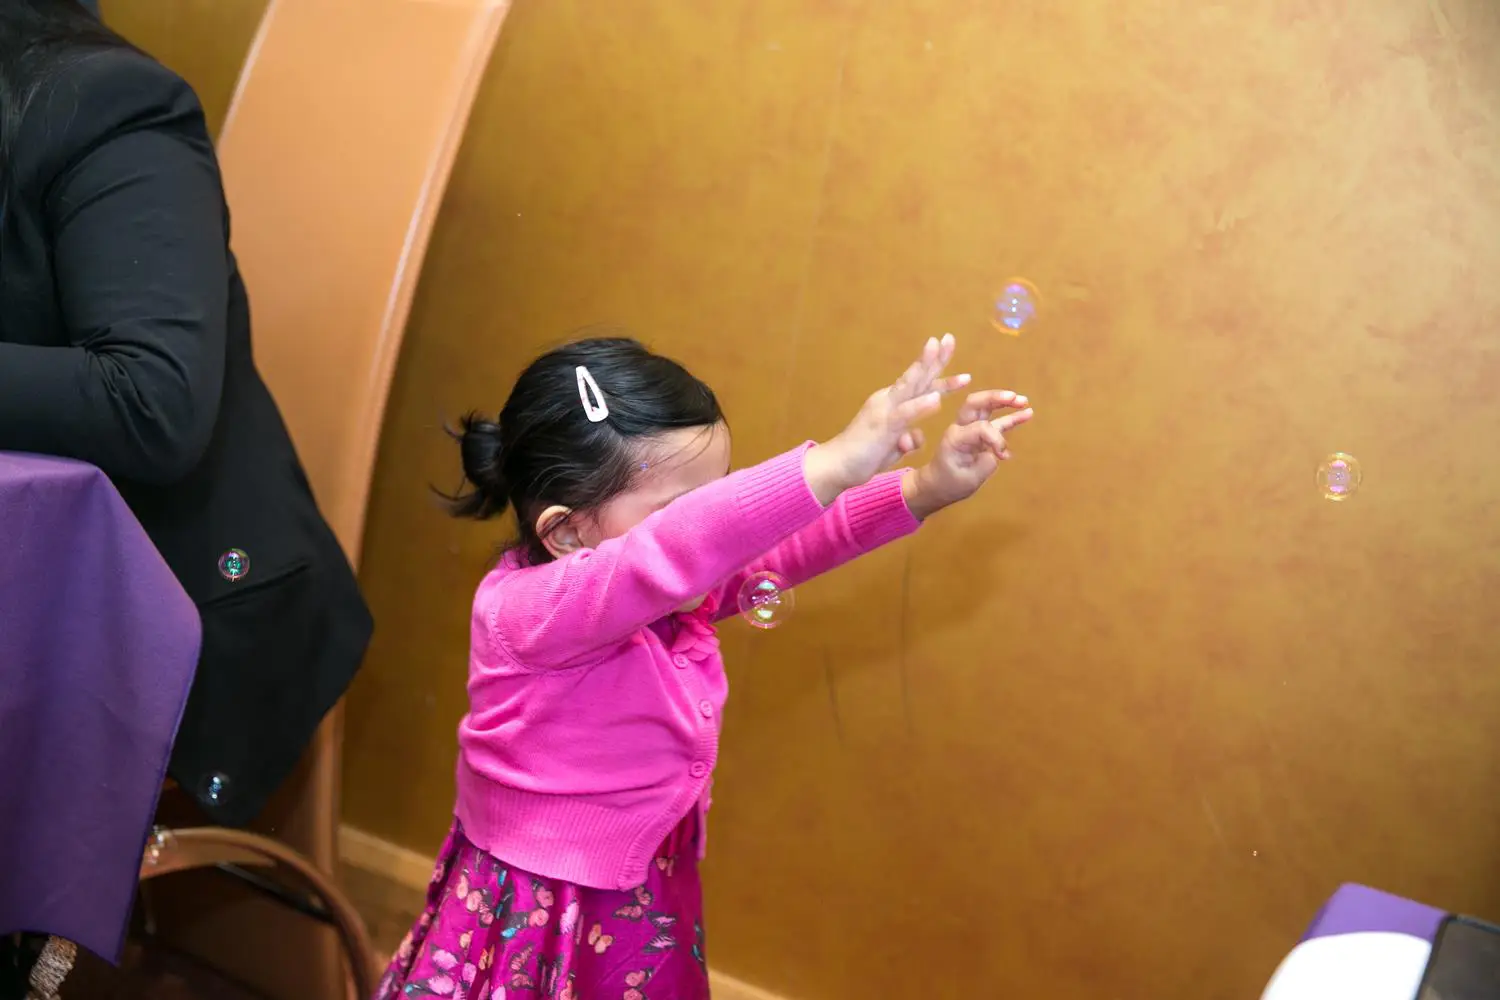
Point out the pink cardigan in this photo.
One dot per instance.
(594, 710)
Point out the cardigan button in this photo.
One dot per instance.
(707, 708)
(699, 769)
(680, 661)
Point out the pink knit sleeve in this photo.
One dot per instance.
(563, 613)
(859, 521)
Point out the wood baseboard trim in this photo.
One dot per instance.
(728, 988)
(370, 853)
(411, 870)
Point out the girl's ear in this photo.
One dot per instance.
(554, 526)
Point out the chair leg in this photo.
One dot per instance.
(51, 968)
(147, 910)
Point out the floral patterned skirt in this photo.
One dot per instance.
(491, 931)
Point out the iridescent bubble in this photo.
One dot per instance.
(158, 845)
(1015, 306)
(765, 600)
(234, 565)
(1338, 476)
(215, 789)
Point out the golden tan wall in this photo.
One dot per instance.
(1118, 728)
(204, 40)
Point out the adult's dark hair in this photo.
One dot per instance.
(39, 39)
(543, 450)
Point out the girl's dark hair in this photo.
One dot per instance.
(38, 40)
(543, 449)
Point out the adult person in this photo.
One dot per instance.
(125, 342)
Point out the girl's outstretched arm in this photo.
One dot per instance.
(564, 613)
(892, 505)
(860, 521)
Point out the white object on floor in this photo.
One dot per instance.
(1376, 965)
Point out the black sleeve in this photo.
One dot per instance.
(140, 255)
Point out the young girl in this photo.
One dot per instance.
(595, 683)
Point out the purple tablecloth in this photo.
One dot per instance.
(98, 644)
(1356, 909)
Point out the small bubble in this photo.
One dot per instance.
(158, 845)
(234, 565)
(1015, 306)
(1339, 476)
(765, 600)
(215, 789)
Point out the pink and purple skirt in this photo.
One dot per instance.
(491, 931)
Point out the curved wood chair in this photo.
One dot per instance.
(242, 854)
(336, 153)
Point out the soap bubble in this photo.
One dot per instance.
(214, 790)
(1338, 476)
(234, 565)
(158, 845)
(1015, 306)
(765, 600)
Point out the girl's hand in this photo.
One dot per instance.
(884, 429)
(970, 452)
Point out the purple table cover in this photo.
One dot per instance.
(1357, 909)
(98, 645)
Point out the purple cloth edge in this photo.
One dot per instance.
(114, 682)
(1356, 909)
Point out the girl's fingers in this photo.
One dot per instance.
(1010, 420)
(952, 383)
(986, 435)
(993, 439)
(913, 381)
(994, 436)
(979, 405)
(973, 437)
(936, 356)
(913, 410)
(946, 347)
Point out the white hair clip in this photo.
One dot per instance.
(595, 409)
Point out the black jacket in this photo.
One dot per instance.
(125, 342)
